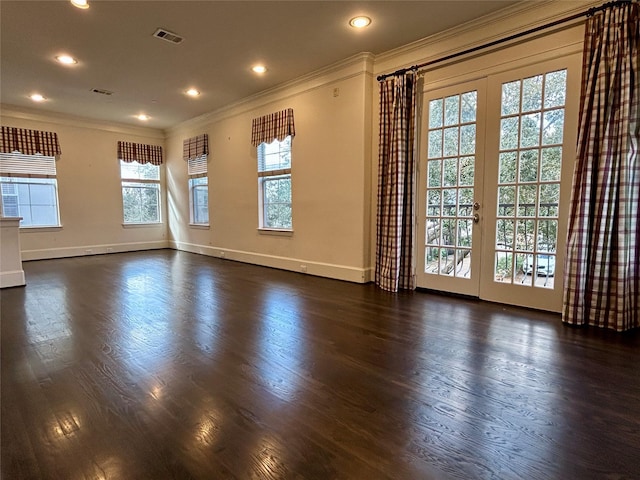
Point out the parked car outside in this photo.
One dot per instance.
(546, 265)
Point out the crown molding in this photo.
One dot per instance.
(22, 113)
(504, 23)
(350, 67)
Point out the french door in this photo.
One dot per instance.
(494, 182)
(450, 178)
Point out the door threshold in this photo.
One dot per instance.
(447, 294)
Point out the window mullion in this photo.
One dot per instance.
(275, 173)
(140, 180)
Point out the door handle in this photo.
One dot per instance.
(476, 218)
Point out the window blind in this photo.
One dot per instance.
(20, 165)
(197, 166)
(274, 158)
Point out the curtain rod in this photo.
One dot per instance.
(589, 13)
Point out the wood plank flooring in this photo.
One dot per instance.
(169, 365)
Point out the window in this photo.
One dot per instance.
(195, 152)
(140, 192)
(198, 190)
(272, 135)
(274, 184)
(29, 189)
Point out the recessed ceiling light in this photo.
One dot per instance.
(259, 68)
(66, 59)
(192, 92)
(83, 4)
(360, 22)
(36, 97)
(143, 117)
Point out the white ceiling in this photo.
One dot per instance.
(113, 43)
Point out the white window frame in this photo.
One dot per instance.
(136, 182)
(32, 171)
(198, 180)
(274, 172)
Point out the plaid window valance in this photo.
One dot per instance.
(140, 152)
(195, 147)
(29, 142)
(276, 126)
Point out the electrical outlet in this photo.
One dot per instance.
(88, 250)
(222, 254)
(303, 268)
(109, 250)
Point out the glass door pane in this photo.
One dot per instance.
(530, 151)
(529, 174)
(448, 185)
(450, 168)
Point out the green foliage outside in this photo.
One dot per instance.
(276, 189)
(530, 161)
(277, 202)
(141, 203)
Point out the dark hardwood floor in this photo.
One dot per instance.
(165, 364)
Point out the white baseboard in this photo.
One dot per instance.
(369, 274)
(91, 250)
(338, 272)
(13, 278)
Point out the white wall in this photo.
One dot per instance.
(89, 189)
(330, 178)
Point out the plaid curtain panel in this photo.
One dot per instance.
(602, 272)
(396, 184)
(276, 126)
(29, 142)
(195, 147)
(140, 152)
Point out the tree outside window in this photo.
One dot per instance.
(140, 192)
(274, 182)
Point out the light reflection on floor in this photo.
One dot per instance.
(281, 349)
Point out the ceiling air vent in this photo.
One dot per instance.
(168, 36)
(101, 91)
